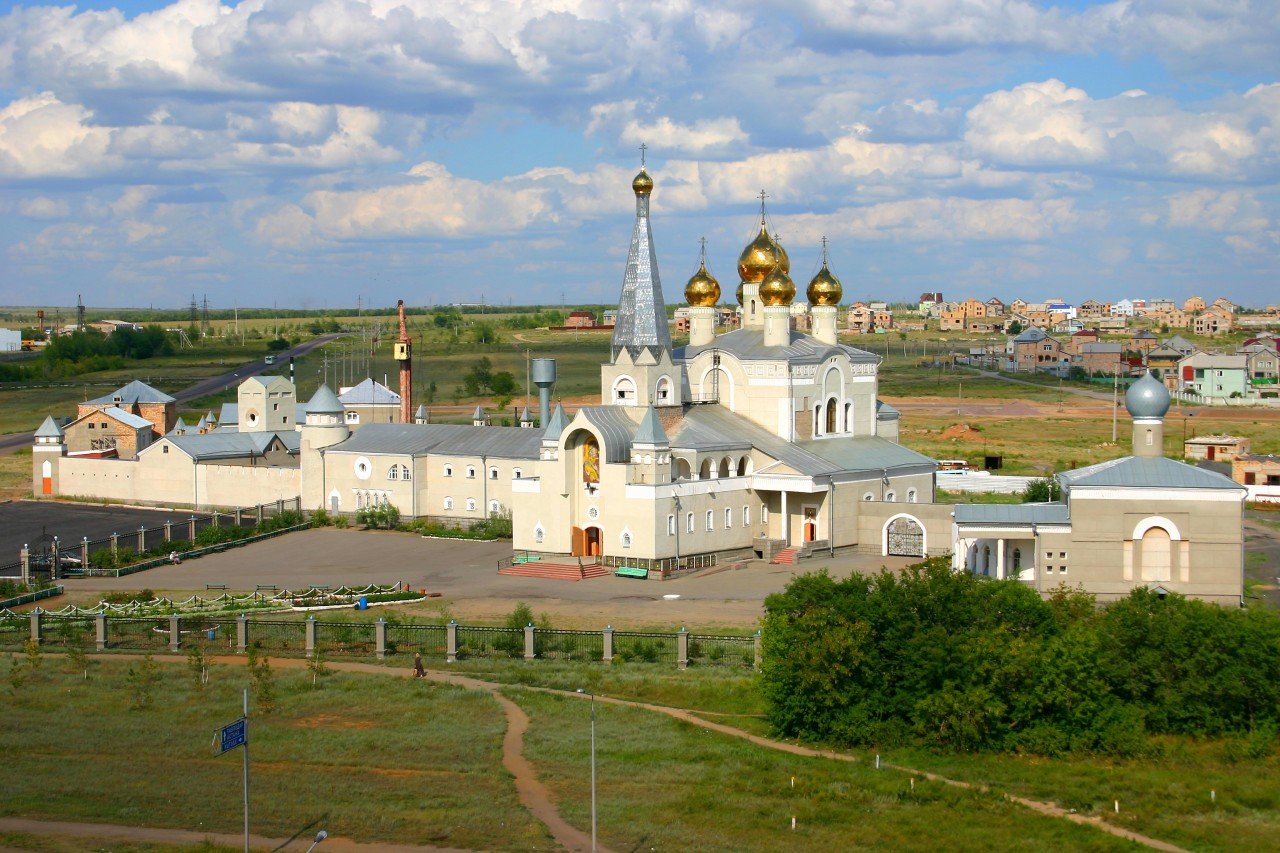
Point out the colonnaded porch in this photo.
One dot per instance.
(998, 554)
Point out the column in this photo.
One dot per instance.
(242, 634)
(380, 637)
(168, 530)
(175, 632)
(607, 655)
(451, 641)
(142, 539)
(24, 557)
(528, 642)
(682, 648)
(259, 509)
(84, 554)
(37, 632)
(100, 631)
(759, 652)
(786, 521)
(311, 636)
(115, 546)
(191, 530)
(1000, 566)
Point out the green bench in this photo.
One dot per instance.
(631, 572)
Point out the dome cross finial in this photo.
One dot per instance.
(824, 250)
(763, 196)
(643, 148)
(702, 255)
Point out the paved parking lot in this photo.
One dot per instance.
(23, 522)
(465, 573)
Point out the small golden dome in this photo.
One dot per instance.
(777, 288)
(739, 293)
(760, 257)
(642, 184)
(702, 291)
(825, 289)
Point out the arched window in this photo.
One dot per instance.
(624, 391)
(539, 534)
(663, 391)
(1017, 559)
(764, 513)
(868, 497)
(404, 472)
(911, 496)
(711, 520)
(448, 470)
(848, 417)
(744, 466)
(986, 559)
(1157, 554)
(725, 467)
(890, 497)
(817, 420)
(471, 504)
(671, 525)
(448, 503)
(494, 506)
(746, 516)
(471, 472)
(516, 473)
(493, 473)
(831, 415)
(626, 539)
(689, 523)
(393, 473)
(705, 472)
(682, 469)
(728, 518)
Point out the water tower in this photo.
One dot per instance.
(544, 376)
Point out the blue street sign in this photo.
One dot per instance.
(230, 736)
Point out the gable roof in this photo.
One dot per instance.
(132, 394)
(443, 439)
(1033, 513)
(49, 428)
(369, 392)
(231, 445)
(1139, 472)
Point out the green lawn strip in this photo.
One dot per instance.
(379, 759)
(668, 785)
(80, 843)
(1166, 798)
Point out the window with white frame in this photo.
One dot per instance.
(671, 525)
(448, 503)
(353, 417)
(868, 497)
(626, 539)
(538, 535)
(689, 523)
(393, 473)
(912, 496)
(404, 472)
(471, 472)
(516, 474)
(471, 504)
(711, 520)
(764, 513)
(493, 473)
(890, 497)
(494, 506)
(746, 516)
(448, 470)
(728, 518)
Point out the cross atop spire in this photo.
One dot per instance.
(643, 148)
(824, 250)
(763, 196)
(703, 254)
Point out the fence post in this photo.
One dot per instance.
(214, 517)
(57, 560)
(380, 637)
(142, 539)
(451, 641)
(175, 632)
(24, 557)
(607, 656)
(100, 631)
(279, 505)
(528, 641)
(682, 648)
(311, 636)
(259, 509)
(37, 629)
(759, 653)
(238, 516)
(115, 547)
(168, 531)
(297, 504)
(84, 554)
(191, 530)
(242, 634)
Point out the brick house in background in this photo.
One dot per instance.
(995, 307)
(1035, 350)
(1214, 321)
(108, 432)
(1100, 358)
(1194, 304)
(137, 398)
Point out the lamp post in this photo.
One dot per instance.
(320, 836)
(593, 768)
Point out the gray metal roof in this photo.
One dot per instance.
(642, 316)
(478, 414)
(1138, 472)
(443, 439)
(369, 393)
(616, 426)
(232, 445)
(885, 412)
(1045, 513)
(49, 429)
(1102, 347)
(229, 414)
(748, 345)
(421, 414)
(126, 418)
(179, 427)
(1031, 336)
(135, 392)
(556, 424)
(325, 402)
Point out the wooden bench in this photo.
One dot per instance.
(631, 572)
(269, 586)
(221, 586)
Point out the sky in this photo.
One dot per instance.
(312, 154)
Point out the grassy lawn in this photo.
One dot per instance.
(667, 785)
(15, 475)
(377, 758)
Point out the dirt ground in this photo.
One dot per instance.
(466, 575)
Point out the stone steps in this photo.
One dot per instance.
(555, 571)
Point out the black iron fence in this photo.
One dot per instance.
(177, 633)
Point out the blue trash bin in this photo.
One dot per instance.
(363, 603)
(212, 633)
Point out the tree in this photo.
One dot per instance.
(502, 383)
(1015, 328)
(1042, 490)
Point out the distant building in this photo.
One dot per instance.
(1219, 448)
(1213, 321)
(137, 398)
(929, 300)
(994, 306)
(1123, 308)
(1091, 309)
(1101, 358)
(580, 320)
(1034, 350)
(370, 402)
(10, 340)
(1214, 377)
(1259, 474)
(1193, 305)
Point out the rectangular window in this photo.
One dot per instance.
(689, 523)
(711, 521)
(764, 513)
(671, 525)
(1249, 478)
(728, 518)
(746, 516)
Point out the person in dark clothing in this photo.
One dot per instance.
(418, 671)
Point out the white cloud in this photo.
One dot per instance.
(41, 137)
(43, 208)
(1217, 210)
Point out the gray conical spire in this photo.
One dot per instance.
(324, 402)
(650, 430)
(642, 315)
(420, 416)
(555, 426)
(49, 429)
(179, 427)
(525, 416)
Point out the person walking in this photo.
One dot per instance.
(418, 671)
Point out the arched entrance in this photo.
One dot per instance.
(1156, 555)
(810, 523)
(831, 415)
(904, 537)
(591, 542)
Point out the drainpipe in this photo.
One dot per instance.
(484, 490)
(675, 500)
(831, 515)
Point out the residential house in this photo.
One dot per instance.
(1123, 308)
(1214, 377)
(1194, 304)
(1101, 358)
(1091, 309)
(1159, 304)
(954, 320)
(1040, 319)
(1263, 362)
(580, 320)
(994, 307)
(1259, 474)
(1182, 345)
(1162, 361)
(1018, 306)
(1079, 339)
(370, 402)
(882, 317)
(1214, 321)
(928, 301)
(1220, 448)
(1225, 304)
(1034, 350)
(1112, 324)
(1143, 340)
(108, 432)
(860, 318)
(137, 398)
(974, 307)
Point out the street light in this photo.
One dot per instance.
(320, 836)
(593, 768)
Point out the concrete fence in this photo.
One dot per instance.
(451, 642)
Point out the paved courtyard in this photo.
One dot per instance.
(465, 574)
(23, 522)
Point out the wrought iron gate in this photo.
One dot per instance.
(906, 538)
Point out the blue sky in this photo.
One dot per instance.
(308, 153)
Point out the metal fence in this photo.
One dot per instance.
(221, 634)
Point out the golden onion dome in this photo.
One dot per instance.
(642, 184)
(777, 288)
(739, 293)
(760, 257)
(825, 289)
(702, 291)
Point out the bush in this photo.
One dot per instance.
(1042, 490)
